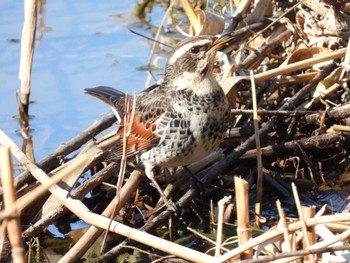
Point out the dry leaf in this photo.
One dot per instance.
(306, 53)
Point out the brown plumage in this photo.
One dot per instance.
(182, 119)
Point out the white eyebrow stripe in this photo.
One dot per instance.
(178, 53)
(182, 50)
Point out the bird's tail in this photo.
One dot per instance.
(109, 95)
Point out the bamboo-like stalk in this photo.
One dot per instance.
(90, 236)
(310, 235)
(79, 209)
(13, 224)
(242, 205)
(325, 94)
(291, 256)
(78, 193)
(228, 83)
(128, 121)
(259, 192)
(71, 172)
(285, 69)
(284, 227)
(190, 13)
(323, 244)
(276, 233)
(85, 242)
(46, 184)
(221, 205)
(159, 31)
(2, 236)
(27, 54)
(51, 161)
(300, 213)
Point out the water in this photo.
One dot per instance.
(79, 44)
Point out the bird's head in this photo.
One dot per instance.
(192, 59)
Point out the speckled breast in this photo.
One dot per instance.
(190, 130)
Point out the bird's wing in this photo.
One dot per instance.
(151, 104)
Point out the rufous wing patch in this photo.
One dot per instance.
(141, 137)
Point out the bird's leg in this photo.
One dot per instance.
(149, 170)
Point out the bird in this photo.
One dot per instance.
(182, 119)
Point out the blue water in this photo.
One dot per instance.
(79, 44)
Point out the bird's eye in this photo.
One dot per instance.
(194, 50)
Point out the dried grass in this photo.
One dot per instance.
(301, 116)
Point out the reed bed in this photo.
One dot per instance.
(257, 199)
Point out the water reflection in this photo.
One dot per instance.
(79, 44)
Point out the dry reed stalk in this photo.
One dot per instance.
(179, 176)
(336, 227)
(128, 120)
(79, 209)
(323, 245)
(86, 241)
(13, 224)
(221, 206)
(201, 164)
(306, 240)
(242, 8)
(71, 172)
(242, 206)
(190, 14)
(27, 54)
(309, 238)
(52, 160)
(290, 256)
(280, 35)
(285, 69)
(321, 211)
(293, 242)
(81, 191)
(159, 31)
(131, 185)
(301, 215)
(228, 83)
(284, 227)
(340, 128)
(294, 79)
(168, 191)
(329, 91)
(276, 233)
(26, 200)
(283, 113)
(259, 191)
(323, 232)
(342, 237)
(2, 236)
(268, 27)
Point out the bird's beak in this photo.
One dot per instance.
(222, 41)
